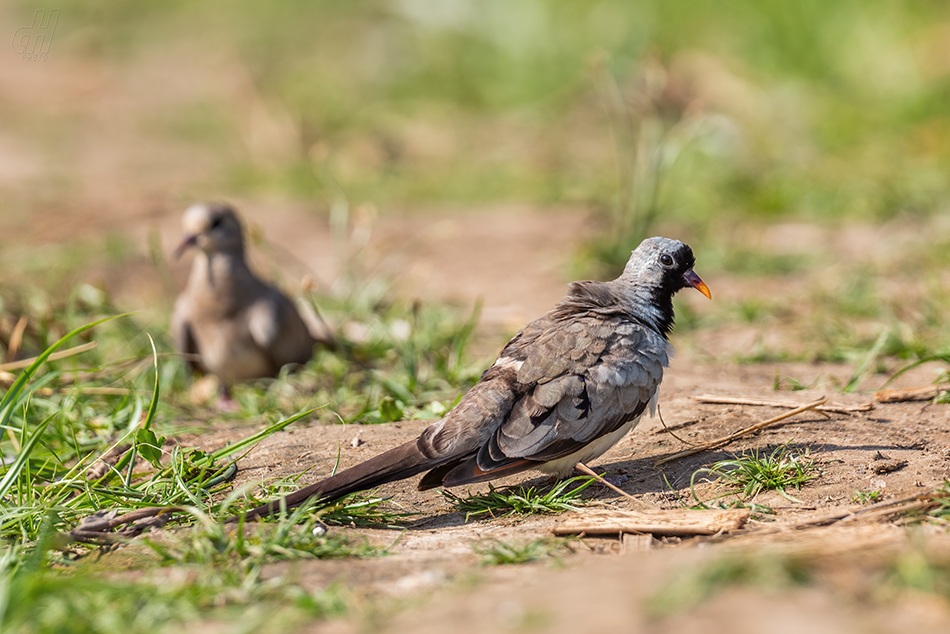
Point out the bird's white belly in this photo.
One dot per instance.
(562, 467)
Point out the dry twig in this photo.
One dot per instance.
(97, 528)
(16, 338)
(583, 467)
(730, 400)
(923, 502)
(742, 432)
(25, 363)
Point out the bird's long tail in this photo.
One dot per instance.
(400, 462)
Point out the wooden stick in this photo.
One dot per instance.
(658, 521)
(889, 507)
(62, 354)
(742, 432)
(670, 431)
(729, 400)
(636, 543)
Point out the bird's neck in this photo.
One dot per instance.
(653, 306)
(218, 271)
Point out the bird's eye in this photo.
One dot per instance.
(216, 222)
(666, 260)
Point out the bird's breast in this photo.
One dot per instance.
(228, 351)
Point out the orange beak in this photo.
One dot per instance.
(693, 280)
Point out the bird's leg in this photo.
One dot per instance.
(612, 480)
(585, 470)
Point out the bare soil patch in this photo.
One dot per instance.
(899, 449)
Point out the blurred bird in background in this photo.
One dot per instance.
(233, 324)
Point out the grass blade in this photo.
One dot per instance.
(23, 457)
(12, 395)
(264, 433)
(872, 355)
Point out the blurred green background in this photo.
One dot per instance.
(806, 109)
(729, 125)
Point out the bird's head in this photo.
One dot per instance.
(213, 228)
(657, 270)
(665, 265)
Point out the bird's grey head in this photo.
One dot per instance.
(657, 270)
(213, 228)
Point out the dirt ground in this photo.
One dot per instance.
(899, 449)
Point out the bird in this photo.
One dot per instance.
(563, 391)
(239, 326)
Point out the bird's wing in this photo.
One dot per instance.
(277, 329)
(611, 375)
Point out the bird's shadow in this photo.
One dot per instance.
(643, 477)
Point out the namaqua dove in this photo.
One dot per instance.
(564, 390)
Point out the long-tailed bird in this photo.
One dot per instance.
(239, 326)
(564, 390)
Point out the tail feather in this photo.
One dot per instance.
(468, 472)
(465, 470)
(403, 461)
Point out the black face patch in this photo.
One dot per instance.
(671, 282)
(682, 260)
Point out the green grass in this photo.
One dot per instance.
(690, 118)
(494, 552)
(885, 578)
(747, 475)
(58, 472)
(942, 381)
(583, 103)
(37, 599)
(686, 117)
(792, 384)
(362, 510)
(298, 535)
(86, 435)
(942, 497)
(868, 315)
(693, 586)
(869, 496)
(396, 360)
(563, 496)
